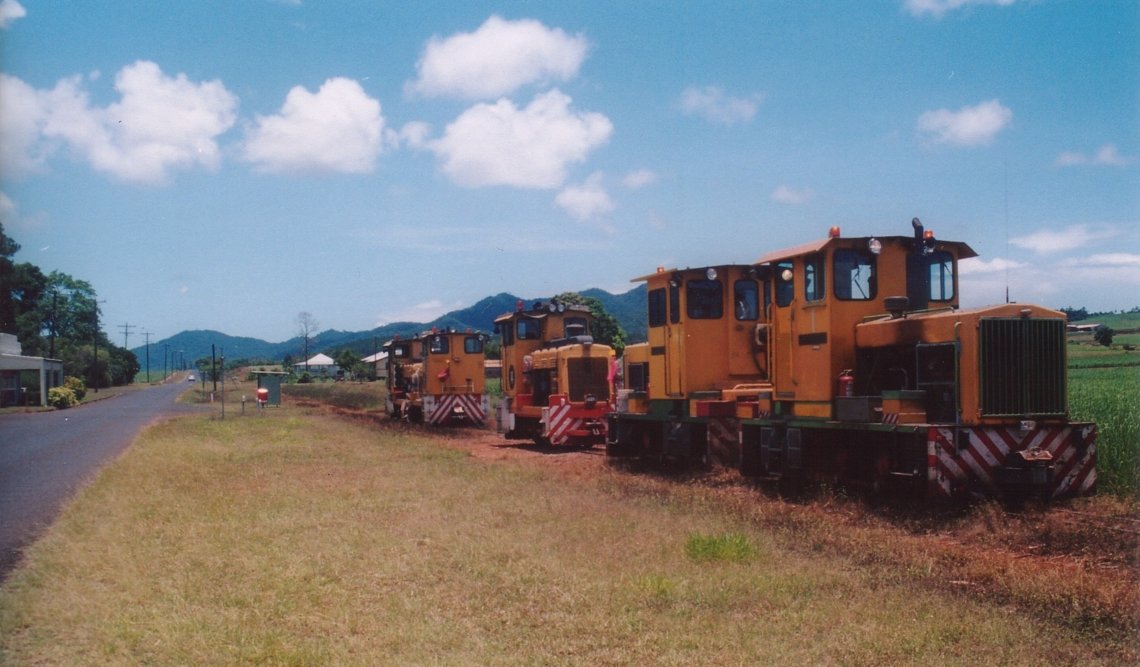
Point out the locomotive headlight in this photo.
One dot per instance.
(561, 307)
(875, 246)
(786, 275)
(552, 306)
(710, 273)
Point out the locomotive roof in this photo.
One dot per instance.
(663, 271)
(964, 250)
(541, 310)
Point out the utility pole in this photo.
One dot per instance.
(95, 348)
(146, 336)
(126, 333)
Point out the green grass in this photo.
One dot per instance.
(1110, 396)
(733, 547)
(298, 539)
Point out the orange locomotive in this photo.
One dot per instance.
(557, 383)
(437, 378)
(848, 360)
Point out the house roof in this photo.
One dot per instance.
(319, 360)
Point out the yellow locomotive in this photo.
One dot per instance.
(557, 383)
(848, 360)
(437, 378)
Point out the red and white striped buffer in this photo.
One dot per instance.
(563, 419)
(969, 457)
(444, 408)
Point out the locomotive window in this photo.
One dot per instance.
(705, 299)
(508, 333)
(574, 326)
(473, 345)
(854, 274)
(637, 376)
(785, 285)
(813, 278)
(438, 345)
(941, 276)
(529, 329)
(657, 307)
(746, 296)
(399, 351)
(674, 303)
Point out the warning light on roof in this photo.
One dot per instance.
(833, 233)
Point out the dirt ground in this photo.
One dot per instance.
(1077, 562)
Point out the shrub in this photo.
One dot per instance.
(76, 385)
(62, 398)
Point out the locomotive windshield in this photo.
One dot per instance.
(705, 299)
(574, 326)
(529, 329)
(941, 276)
(854, 274)
(746, 296)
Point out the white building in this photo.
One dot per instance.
(13, 365)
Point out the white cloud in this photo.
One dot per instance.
(1071, 238)
(499, 144)
(974, 266)
(22, 113)
(160, 123)
(7, 207)
(786, 194)
(415, 134)
(10, 10)
(968, 126)
(420, 313)
(938, 8)
(1107, 155)
(497, 59)
(713, 105)
(635, 180)
(337, 129)
(586, 201)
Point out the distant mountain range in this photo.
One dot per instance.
(628, 309)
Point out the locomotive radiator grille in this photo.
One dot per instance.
(588, 376)
(1022, 367)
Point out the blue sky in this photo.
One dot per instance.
(229, 164)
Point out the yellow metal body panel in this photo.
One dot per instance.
(948, 326)
(704, 339)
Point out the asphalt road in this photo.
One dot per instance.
(45, 457)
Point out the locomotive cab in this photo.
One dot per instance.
(704, 364)
(821, 291)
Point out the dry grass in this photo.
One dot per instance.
(300, 539)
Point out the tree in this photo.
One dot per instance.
(1103, 335)
(306, 330)
(347, 360)
(1075, 314)
(605, 328)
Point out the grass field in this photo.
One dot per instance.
(292, 538)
